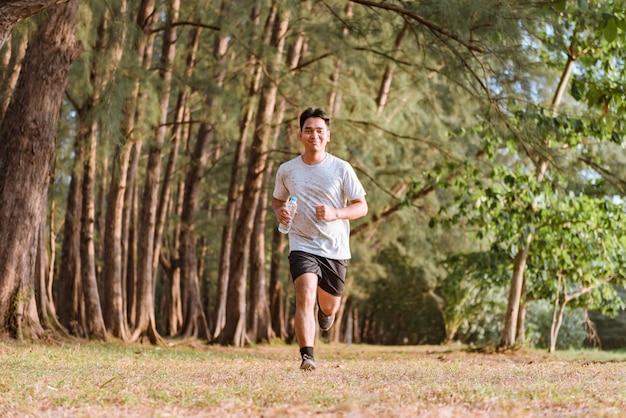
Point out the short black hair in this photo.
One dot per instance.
(314, 113)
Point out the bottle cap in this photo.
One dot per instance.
(293, 198)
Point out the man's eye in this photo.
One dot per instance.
(319, 131)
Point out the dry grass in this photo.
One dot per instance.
(195, 380)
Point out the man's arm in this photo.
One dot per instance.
(282, 214)
(356, 209)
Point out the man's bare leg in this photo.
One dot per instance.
(304, 319)
(306, 287)
(329, 306)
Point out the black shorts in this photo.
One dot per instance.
(331, 274)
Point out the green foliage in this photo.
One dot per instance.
(572, 334)
(610, 328)
(473, 295)
(579, 239)
(570, 211)
(402, 305)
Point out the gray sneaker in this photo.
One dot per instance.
(308, 363)
(325, 321)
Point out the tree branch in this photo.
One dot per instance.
(390, 210)
(610, 177)
(12, 11)
(430, 25)
(187, 23)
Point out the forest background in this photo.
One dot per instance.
(140, 138)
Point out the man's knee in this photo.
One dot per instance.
(327, 302)
(306, 286)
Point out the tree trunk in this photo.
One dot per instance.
(385, 84)
(170, 307)
(69, 299)
(113, 301)
(134, 129)
(101, 77)
(12, 63)
(557, 313)
(194, 320)
(145, 313)
(234, 332)
(259, 314)
(266, 320)
(40, 272)
(170, 299)
(334, 101)
(94, 319)
(279, 310)
(559, 307)
(172, 311)
(130, 226)
(12, 11)
(259, 319)
(50, 268)
(278, 319)
(521, 322)
(171, 295)
(27, 143)
(335, 332)
(356, 331)
(234, 196)
(515, 293)
(100, 202)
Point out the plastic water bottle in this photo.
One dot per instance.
(291, 206)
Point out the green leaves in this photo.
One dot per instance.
(559, 5)
(577, 237)
(610, 29)
(611, 25)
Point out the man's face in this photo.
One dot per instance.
(314, 135)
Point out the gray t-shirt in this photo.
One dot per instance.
(332, 182)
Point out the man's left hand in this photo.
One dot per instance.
(326, 213)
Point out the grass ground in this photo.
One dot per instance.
(88, 379)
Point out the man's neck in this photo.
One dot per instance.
(314, 158)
